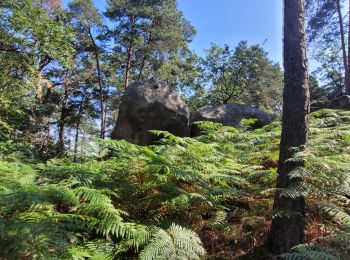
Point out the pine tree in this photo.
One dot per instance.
(145, 32)
(287, 229)
(326, 22)
(87, 20)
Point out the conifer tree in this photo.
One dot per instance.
(145, 33)
(327, 25)
(287, 229)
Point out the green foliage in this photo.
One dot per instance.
(131, 201)
(151, 39)
(312, 252)
(244, 74)
(174, 243)
(327, 186)
(325, 42)
(125, 195)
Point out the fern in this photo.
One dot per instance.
(336, 213)
(312, 252)
(220, 184)
(174, 243)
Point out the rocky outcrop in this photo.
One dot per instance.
(342, 102)
(315, 106)
(229, 115)
(150, 105)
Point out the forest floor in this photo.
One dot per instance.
(120, 202)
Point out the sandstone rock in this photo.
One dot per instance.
(342, 102)
(318, 105)
(150, 105)
(229, 115)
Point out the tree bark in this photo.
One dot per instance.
(142, 67)
(145, 56)
(347, 69)
(287, 231)
(128, 66)
(342, 38)
(100, 86)
(61, 127)
(64, 114)
(77, 129)
(132, 21)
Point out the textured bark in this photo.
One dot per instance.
(143, 62)
(342, 38)
(128, 66)
(288, 231)
(77, 129)
(100, 86)
(62, 120)
(142, 67)
(76, 140)
(347, 70)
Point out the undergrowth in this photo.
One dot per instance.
(208, 197)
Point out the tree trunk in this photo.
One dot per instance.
(128, 66)
(142, 67)
(82, 148)
(287, 229)
(347, 70)
(61, 126)
(77, 129)
(76, 139)
(145, 56)
(69, 137)
(100, 86)
(64, 114)
(342, 37)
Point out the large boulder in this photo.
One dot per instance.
(229, 115)
(150, 105)
(342, 102)
(315, 106)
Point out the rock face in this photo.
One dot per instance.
(342, 102)
(150, 105)
(229, 115)
(315, 106)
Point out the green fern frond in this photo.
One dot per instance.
(296, 190)
(218, 218)
(299, 173)
(336, 213)
(312, 252)
(94, 196)
(174, 243)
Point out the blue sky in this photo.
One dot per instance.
(229, 21)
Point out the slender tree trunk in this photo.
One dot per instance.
(48, 130)
(342, 37)
(142, 67)
(77, 129)
(143, 62)
(82, 148)
(69, 134)
(61, 126)
(347, 70)
(76, 139)
(128, 66)
(64, 114)
(100, 86)
(287, 229)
